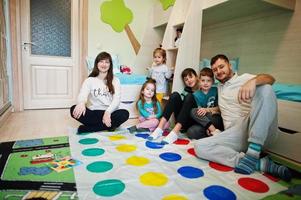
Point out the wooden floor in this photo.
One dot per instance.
(32, 124)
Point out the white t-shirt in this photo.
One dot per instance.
(96, 91)
(231, 110)
(160, 73)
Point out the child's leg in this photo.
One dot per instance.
(151, 124)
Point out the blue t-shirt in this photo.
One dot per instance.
(148, 109)
(206, 100)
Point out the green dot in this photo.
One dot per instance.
(109, 187)
(88, 141)
(93, 152)
(100, 166)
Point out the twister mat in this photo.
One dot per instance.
(25, 171)
(120, 165)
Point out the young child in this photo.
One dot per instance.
(179, 105)
(160, 72)
(178, 36)
(206, 99)
(102, 90)
(149, 108)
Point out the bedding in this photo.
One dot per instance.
(290, 92)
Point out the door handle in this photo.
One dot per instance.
(25, 44)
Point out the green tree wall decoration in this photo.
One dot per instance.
(118, 16)
(167, 3)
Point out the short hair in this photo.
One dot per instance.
(188, 71)
(219, 56)
(207, 72)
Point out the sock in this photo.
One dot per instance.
(142, 130)
(170, 138)
(156, 134)
(268, 166)
(87, 129)
(132, 129)
(247, 164)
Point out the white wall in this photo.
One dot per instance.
(270, 43)
(101, 37)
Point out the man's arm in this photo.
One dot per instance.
(247, 90)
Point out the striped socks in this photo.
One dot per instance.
(248, 163)
(268, 166)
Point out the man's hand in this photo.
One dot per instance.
(106, 119)
(247, 91)
(80, 109)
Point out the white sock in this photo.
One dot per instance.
(156, 134)
(171, 138)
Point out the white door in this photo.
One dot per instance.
(50, 55)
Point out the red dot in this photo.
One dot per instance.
(272, 178)
(253, 185)
(182, 142)
(220, 167)
(165, 132)
(191, 151)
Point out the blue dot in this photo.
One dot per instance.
(154, 145)
(216, 192)
(170, 157)
(142, 135)
(190, 172)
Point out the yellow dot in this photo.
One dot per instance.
(137, 161)
(116, 137)
(153, 179)
(174, 197)
(126, 148)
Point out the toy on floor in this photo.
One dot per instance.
(41, 158)
(125, 69)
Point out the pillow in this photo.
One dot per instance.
(206, 63)
(115, 60)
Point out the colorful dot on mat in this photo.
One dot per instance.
(174, 197)
(220, 167)
(182, 142)
(272, 178)
(116, 137)
(88, 141)
(253, 185)
(99, 166)
(93, 152)
(216, 192)
(142, 135)
(126, 148)
(137, 161)
(108, 188)
(165, 132)
(170, 156)
(191, 151)
(154, 145)
(153, 179)
(190, 172)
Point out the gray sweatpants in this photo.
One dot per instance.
(259, 127)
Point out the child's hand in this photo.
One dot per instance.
(106, 119)
(152, 116)
(201, 111)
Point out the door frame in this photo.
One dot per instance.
(15, 30)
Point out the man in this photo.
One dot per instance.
(249, 110)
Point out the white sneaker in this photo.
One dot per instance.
(156, 134)
(170, 138)
(217, 131)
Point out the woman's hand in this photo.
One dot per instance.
(106, 119)
(80, 109)
(201, 111)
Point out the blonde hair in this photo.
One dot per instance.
(162, 52)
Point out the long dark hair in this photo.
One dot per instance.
(110, 76)
(154, 98)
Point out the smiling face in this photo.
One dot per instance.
(158, 58)
(103, 65)
(149, 91)
(190, 80)
(206, 83)
(222, 70)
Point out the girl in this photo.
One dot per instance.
(102, 90)
(179, 105)
(160, 72)
(149, 108)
